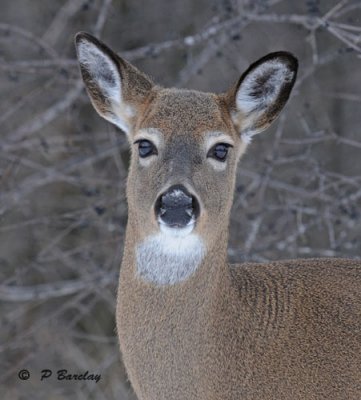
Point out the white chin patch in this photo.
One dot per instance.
(170, 256)
(176, 232)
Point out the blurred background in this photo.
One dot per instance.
(63, 169)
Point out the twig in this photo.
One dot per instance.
(48, 291)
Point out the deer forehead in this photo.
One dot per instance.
(181, 112)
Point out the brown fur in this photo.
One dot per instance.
(282, 330)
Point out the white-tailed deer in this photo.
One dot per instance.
(190, 325)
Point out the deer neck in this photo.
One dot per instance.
(161, 327)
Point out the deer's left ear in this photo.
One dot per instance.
(261, 92)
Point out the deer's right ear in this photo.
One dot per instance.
(115, 87)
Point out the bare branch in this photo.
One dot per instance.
(48, 291)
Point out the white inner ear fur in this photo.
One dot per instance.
(105, 74)
(102, 70)
(279, 74)
(253, 106)
(165, 259)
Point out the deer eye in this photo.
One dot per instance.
(219, 152)
(146, 148)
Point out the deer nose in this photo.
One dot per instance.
(176, 207)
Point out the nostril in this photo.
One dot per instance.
(195, 207)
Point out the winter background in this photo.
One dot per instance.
(63, 169)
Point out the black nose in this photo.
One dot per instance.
(176, 207)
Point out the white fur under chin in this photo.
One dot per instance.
(176, 232)
(170, 256)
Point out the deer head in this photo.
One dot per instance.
(185, 144)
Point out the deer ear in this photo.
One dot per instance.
(261, 93)
(115, 87)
